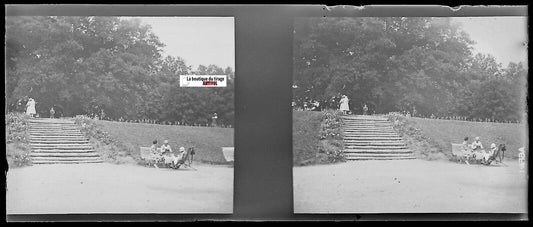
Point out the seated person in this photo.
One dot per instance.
(166, 151)
(476, 145)
(466, 147)
(182, 153)
(165, 148)
(156, 156)
(179, 159)
(490, 152)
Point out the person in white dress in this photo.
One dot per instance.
(30, 107)
(344, 104)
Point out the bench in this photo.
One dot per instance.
(146, 154)
(228, 153)
(459, 153)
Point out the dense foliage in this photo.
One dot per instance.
(109, 148)
(107, 66)
(403, 64)
(330, 136)
(317, 137)
(17, 140)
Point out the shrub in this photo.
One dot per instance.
(17, 140)
(423, 146)
(330, 136)
(109, 148)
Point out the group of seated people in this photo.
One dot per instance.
(165, 154)
(476, 148)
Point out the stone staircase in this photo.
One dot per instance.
(59, 141)
(372, 138)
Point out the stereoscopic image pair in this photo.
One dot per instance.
(114, 114)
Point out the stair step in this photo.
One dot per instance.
(55, 141)
(64, 154)
(366, 118)
(376, 134)
(362, 139)
(54, 130)
(58, 138)
(56, 134)
(375, 142)
(355, 134)
(61, 147)
(375, 146)
(378, 155)
(378, 151)
(51, 123)
(65, 162)
(366, 123)
(370, 131)
(404, 150)
(377, 158)
(66, 158)
(59, 142)
(65, 151)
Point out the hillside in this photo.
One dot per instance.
(317, 138)
(444, 132)
(305, 136)
(207, 141)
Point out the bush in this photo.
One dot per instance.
(330, 136)
(17, 140)
(110, 149)
(423, 147)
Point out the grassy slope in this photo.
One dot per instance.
(206, 140)
(445, 132)
(305, 133)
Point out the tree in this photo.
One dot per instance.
(78, 62)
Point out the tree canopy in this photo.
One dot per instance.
(115, 65)
(401, 64)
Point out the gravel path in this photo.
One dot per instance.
(108, 188)
(405, 186)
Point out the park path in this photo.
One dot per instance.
(372, 138)
(410, 186)
(55, 141)
(111, 188)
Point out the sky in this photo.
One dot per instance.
(198, 40)
(505, 38)
(211, 40)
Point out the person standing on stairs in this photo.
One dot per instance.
(30, 107)
(344, 104)
(52, 112)
(365, 109)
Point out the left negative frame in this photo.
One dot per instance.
(100, 122)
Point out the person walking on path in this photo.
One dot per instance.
(30, 107)
(344, 104)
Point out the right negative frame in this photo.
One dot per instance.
(410, 115)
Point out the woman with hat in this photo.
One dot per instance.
(30, 107)
(344, 104)
(176, 159)
(476, 145)
(165, 148)
(490, 152)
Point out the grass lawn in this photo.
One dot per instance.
(207, 141)
(445, 132)
(305, 133)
